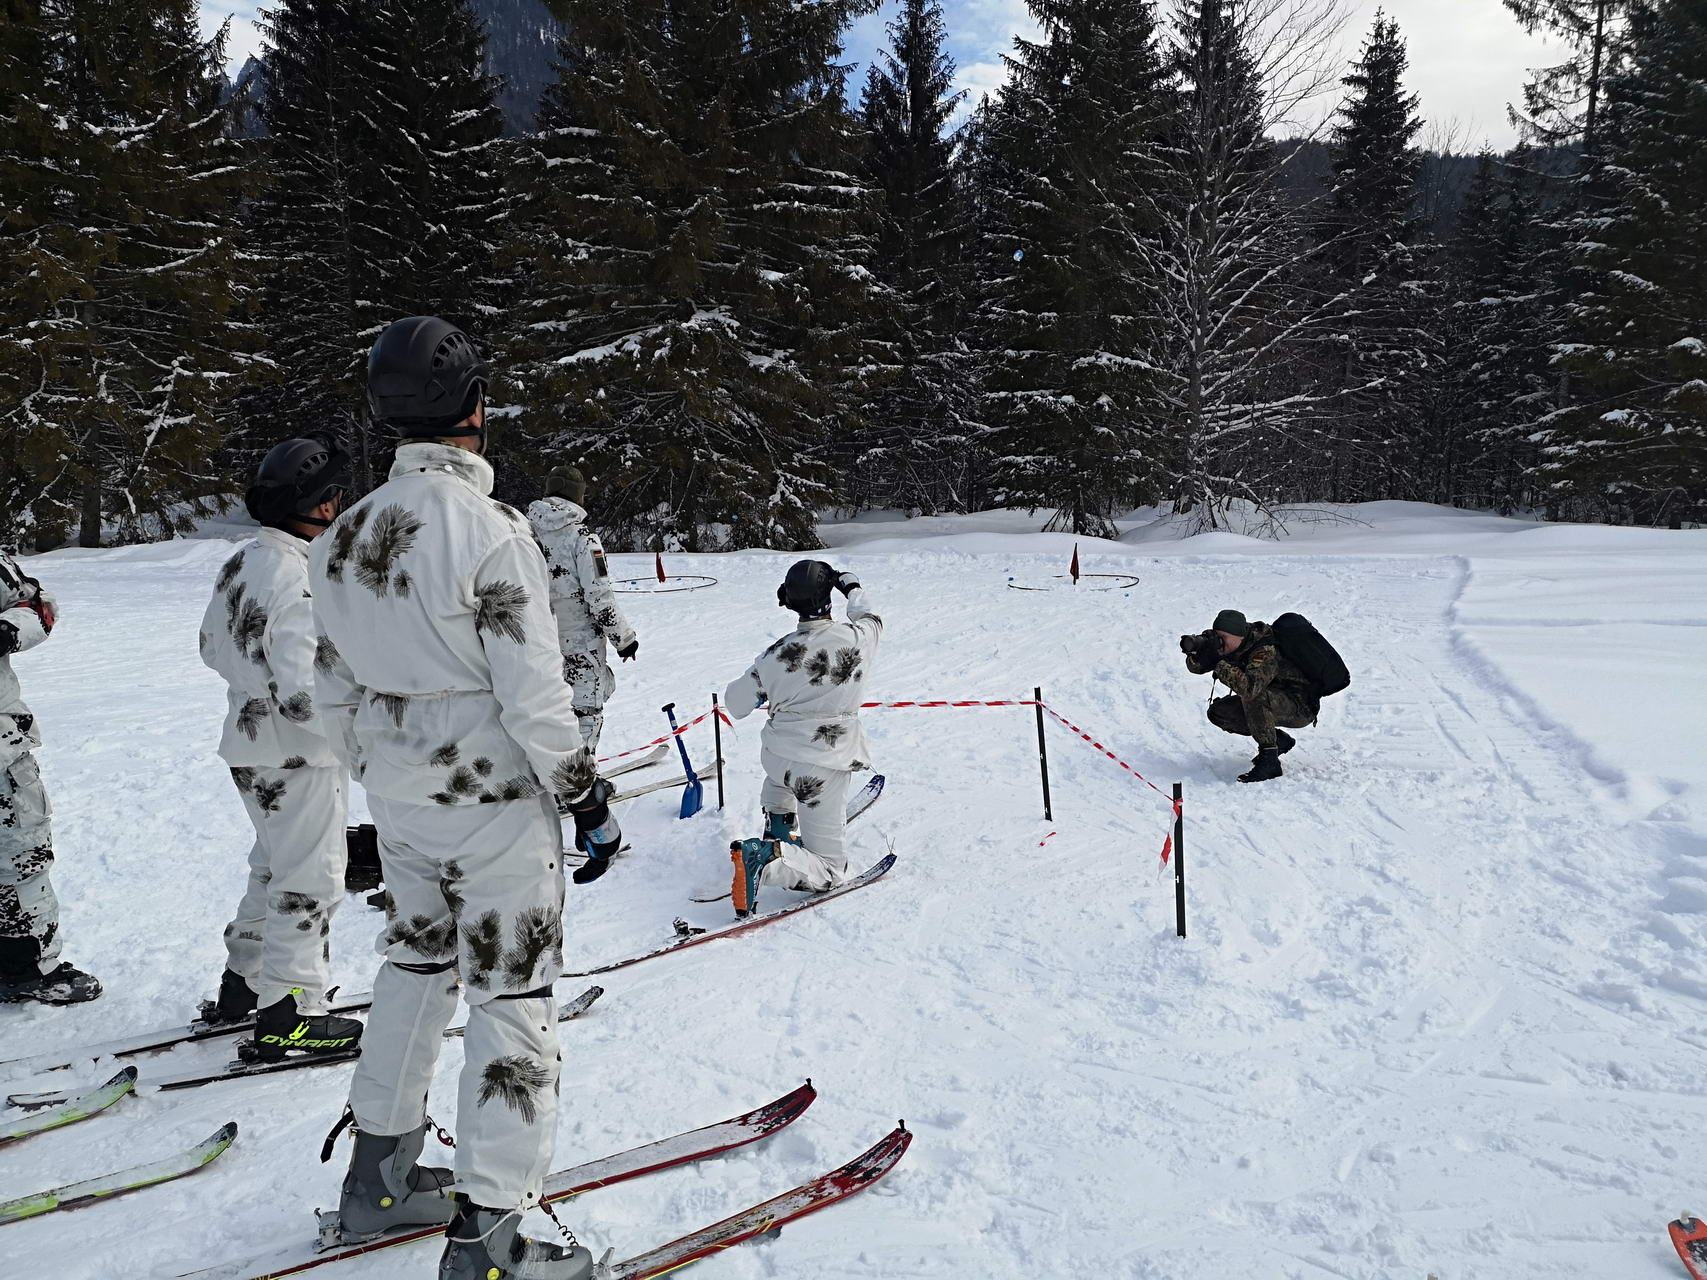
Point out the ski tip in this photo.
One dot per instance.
(125, 1077)
(225, 1135)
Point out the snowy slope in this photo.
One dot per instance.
(1442, 1007)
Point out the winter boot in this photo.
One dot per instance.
(386, 1189)
(750, 857)
(235, 1002)
(1265, 766)
(484, 1244)
(64, 985)
(280, 1029)
(362, 872)
(1284, 740)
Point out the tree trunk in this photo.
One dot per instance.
(89, 535)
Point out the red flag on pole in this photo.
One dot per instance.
(1074, 567)
(658, 561)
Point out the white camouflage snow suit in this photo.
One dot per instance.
(813, 680)
(584, 605)
(441, 684)
(259, 634)
(29, 912)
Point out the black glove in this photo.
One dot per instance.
(846, 583)
(627, 652)
(591, 869)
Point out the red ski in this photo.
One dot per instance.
(856, 1175)
(1690, 1236)
(687, 936)
(665, 1154)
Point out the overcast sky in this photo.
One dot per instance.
(1468, 57)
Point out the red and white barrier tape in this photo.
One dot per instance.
(1167, 845)
(1027, 702)
(679, 730)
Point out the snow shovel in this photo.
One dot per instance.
(693, 795)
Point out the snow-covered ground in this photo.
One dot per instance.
(1443, 1007)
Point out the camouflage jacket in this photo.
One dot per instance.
(812, 681)
(437, 671)
(581, 597)
(1257, 666)
(258, 633)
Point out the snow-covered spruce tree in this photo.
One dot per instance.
(1237, 299)
(1066, 317)
(1562, 103)
(917, 448)
(44, 263)
(381, 140)
(1634, 443)
(1370, 255)
(125, 344)
(1493, 334)
(692, 253)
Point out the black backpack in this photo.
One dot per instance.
(1305, 648)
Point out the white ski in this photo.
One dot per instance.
(79, 1108)
(78, 1194)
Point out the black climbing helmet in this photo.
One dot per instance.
(807, 588)
(295, 477)
(424, 375)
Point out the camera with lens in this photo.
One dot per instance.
(1204, 647)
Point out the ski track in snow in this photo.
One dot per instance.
(1442, 1007)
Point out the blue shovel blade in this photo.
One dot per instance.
(693, 798)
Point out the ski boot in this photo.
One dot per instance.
(1264, 767)
(484, 1244)
(386, 1189)
(597, 832)
(234, 1003)
(1284, 740)
(280, 1029)
(780, 827)
(64, 985)
(750, 857)
(362, 872)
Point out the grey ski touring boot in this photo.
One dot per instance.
(484, 1244)
(386, 1189)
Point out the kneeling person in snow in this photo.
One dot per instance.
(29, 911)
(1269, 690)
(259, 634)
(581, 598)
(442, 685)
(813, 680)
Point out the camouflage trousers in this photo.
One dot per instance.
(819, 799)
(278, 938)
(29, 912)
(591, 683)
(476, 904)
(1257, 717)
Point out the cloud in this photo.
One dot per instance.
(244, 39)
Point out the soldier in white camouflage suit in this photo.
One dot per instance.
(259, 634)
(441, 684)
(29, 913)
(581, 598)
(812, 682)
